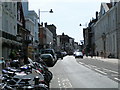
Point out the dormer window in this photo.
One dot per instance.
(103, 11)
(19, 15)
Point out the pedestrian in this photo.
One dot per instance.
(91, 54)
(110, 55)
(7, 63)
(101, 53)
(97, 54)
(3, 62)
(26, 59)
(12, 55)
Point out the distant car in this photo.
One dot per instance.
(59, 55)
(78, 54)
(48, 59)
(74, 53)
(70, 53)
(64, 53)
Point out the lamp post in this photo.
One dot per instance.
(63, 41)
(85, 44)
(81, 44)
(51, 11)
(104, 42)
(39, 11)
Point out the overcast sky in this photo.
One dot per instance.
(68, 14)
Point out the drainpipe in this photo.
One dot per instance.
(117, 35)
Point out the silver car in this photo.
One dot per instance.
(78, 54)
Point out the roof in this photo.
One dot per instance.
(109, 5)
(105, 6)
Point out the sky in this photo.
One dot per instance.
(67, 14)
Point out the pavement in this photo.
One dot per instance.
(110, 60)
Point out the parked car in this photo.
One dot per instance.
(59, 55)
(78, 54)
(48, 59)
(49, 51)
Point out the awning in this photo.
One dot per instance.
(4, 40)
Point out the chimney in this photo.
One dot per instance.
(41, 23)
(113, 2)
(45, 24)
(96, 15)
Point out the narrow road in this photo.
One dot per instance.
(68, 73)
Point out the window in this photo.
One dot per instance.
(103, 11)
(18, 15)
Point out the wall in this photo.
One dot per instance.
(0, 29)
(106, 24)
(9, 25)
(49, 37)
(118, 28)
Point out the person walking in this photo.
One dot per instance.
(97, 53)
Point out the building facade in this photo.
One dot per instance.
(8, 28)
(46, 37)
(65, 43)
(107, 30)
(53, 28)
(118, 28)
(31, 21)
(49, 38)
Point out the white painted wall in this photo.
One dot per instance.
(9, 17)
(30, 25)
(8, 20)
(49, 36)
(106, 24)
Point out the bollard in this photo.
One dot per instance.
(36, 79)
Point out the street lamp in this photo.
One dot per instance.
(80, 25)
(83, 25)
(51, 11)
(39, 11)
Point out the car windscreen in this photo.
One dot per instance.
(45, 56)
(47, 52)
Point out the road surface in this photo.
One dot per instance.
(68, 73)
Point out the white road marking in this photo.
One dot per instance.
(117, 79)
(101, 71)
(111, 71)
(59, 84)
(115, 75)
(93, 66)
(88, 66)
(81, 63)
(64, 83)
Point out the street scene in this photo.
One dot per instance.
(59, 45)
